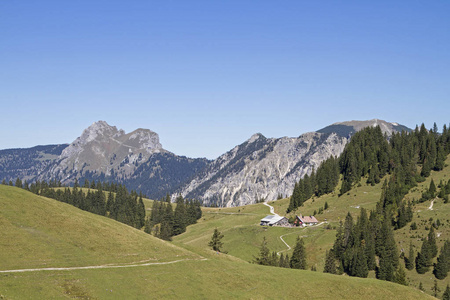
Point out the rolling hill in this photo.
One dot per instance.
(42, 233)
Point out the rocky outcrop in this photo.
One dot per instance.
(103, 149)
(262, 168)
(136, 159)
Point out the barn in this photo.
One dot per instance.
(274, 220)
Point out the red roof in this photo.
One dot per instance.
(308, 219)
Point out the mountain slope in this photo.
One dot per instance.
(136, 159)
(41, 233)
(38, 232)
(348, 128)
(28, 163)
(262, 168)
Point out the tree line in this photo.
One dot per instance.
(373, 155)
(117, 203)
(165, 222)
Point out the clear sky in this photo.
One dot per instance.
(206, 75)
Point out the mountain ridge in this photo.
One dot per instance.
(258, 169)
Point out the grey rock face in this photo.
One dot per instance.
(262, 168)
(104, 149)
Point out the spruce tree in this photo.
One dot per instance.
(388, 252)
(330, 263)
(432, 243)
(435, 289)
(409, 261)
(180, 216)
(281, 261)
(263, 258)
(446, 295)
(216, 240)
(359, 263)
(298, 258)
(400, 275)
(442, 266)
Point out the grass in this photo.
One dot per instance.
(39, 232)
(243, 235)
(218, 277)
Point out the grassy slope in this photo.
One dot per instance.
(40, 232)
(243, 235)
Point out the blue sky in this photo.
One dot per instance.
(206, 75)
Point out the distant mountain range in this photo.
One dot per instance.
(260, 168)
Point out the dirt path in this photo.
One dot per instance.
(272, 210)
(287, 245)
(101, 266)
(431, 205)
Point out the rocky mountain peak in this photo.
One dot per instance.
(144, 139)
(100, 128)
(255, 137)
(348, 128)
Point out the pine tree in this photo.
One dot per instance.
(18, 183)
(281, 261)
(298, 258)
(330, 263)
(216, 240)
(180, 216)
(400, 275)
(388, 252)
(446, 295)
(442, 266)
(359, 263)
(263, 258)
(435, 289)
(432, 243)
(409, 261)
(432, 188)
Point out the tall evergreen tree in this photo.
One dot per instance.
(263, 258)
(216, 240)
(298, 258)
(442, 266)
(400, 275)
(409, 261)
(446, 295)
(180, 216)
(330, 263)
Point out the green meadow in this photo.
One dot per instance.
(41, 233)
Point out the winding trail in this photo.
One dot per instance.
(272, 210)
(287, 245)
(102, 266)
(431, 205)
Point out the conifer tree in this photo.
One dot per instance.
(330, 263)
(180, 216)
(281, 261)
(298, 258)
(388, 253)
(216, 240)
(432, 243)
(263, 258)
(400, 275)
(435, 289)
(359, 263)
(446, 295)
(442, 266)
(409, 261)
